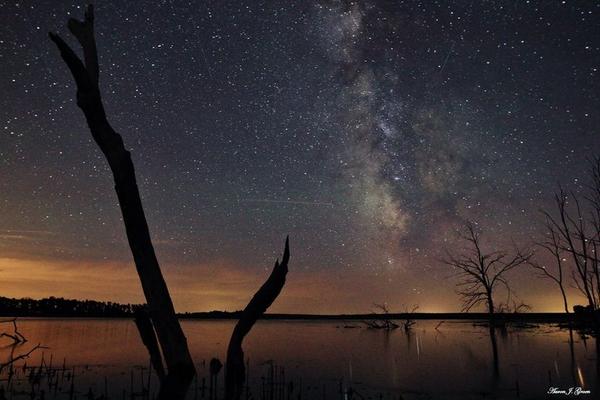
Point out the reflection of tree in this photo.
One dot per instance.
(495, 358)
(584, 334)
(572, 357)
(144, 326)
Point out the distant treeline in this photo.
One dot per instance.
(60, 307)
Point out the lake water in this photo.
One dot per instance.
(322, 360)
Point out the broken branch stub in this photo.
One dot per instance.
(264, 297)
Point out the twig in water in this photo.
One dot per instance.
(17, 337)
(22, 356)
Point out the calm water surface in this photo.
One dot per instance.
(324, 359)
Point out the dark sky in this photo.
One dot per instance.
(367, 131)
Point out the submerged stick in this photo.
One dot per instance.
(17, 337)
(21, 356)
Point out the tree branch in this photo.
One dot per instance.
(264, 297)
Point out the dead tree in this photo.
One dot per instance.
(512, 306)
(480, 273)
(235, 370)
(594, 213)
(579, 239)
(384, 321)
(552, 245)
(162, 313)
(409, 321)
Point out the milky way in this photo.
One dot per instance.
(367, 131)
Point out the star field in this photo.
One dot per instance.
(367, 131)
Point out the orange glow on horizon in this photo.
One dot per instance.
(228, 287)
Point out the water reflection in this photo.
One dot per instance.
(456, 360)
(495, 361)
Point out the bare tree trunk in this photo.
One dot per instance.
(490, 302)
(266, 295)
(580, 258)
(553, 245)
(170, 335)
(564, 296)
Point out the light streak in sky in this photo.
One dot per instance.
(306, 203)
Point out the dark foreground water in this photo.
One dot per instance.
(314, 360)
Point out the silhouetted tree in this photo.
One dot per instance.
(162, 313)
(384, 321)
(264, 297)
(573, 235)
(552, 245)
(480, 273)
(594, 201)
(512, 307)
(577, 227)
(408, 322)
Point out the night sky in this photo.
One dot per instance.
(367, 131)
